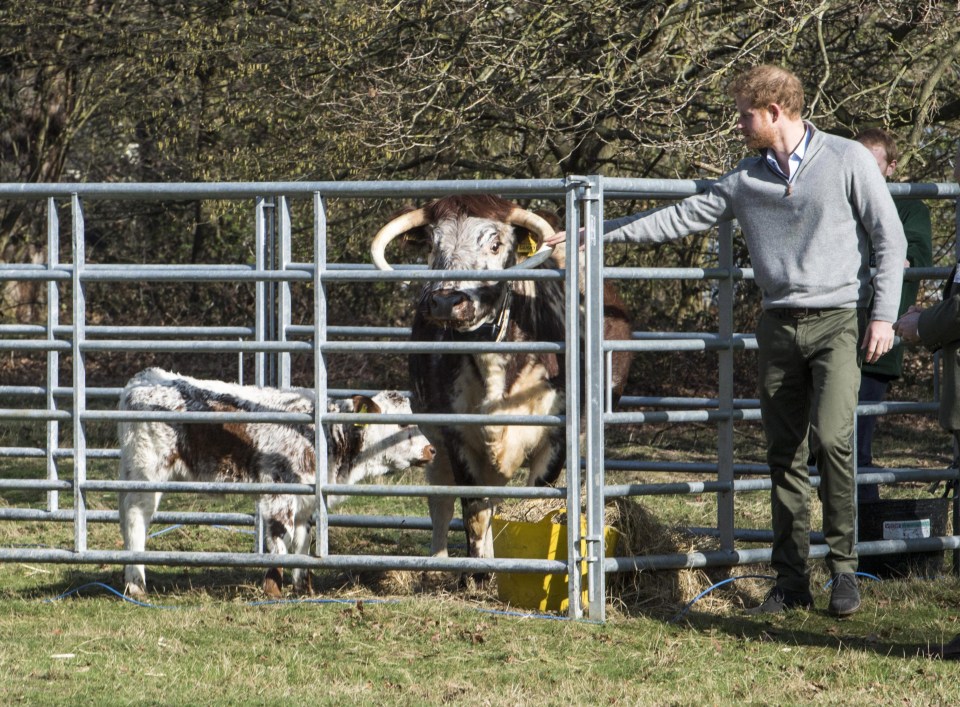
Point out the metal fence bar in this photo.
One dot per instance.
(169, 191)
(321, 518)
(262, 212)
(284, 296)
(227, 519)
(53, 357)
(725, 499)
(410, 563)
(574, 217)
(79, 375)
(593, 387)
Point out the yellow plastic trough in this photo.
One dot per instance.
(540, 540)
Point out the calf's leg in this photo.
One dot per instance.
(278, 514)
(136, 512)
(300, 545)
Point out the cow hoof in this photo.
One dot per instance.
(134, 591)
(273, 583)
(439, 581)
(476, 582)
(304, 588)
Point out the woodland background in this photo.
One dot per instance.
(259, 90)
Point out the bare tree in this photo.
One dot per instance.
(333, 89)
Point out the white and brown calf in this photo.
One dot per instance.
(251, 452)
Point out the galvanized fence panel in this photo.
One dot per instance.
(272, 338)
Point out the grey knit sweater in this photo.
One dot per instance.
(808, 243)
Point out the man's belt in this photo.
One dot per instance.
(801, 312)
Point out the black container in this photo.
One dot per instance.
(897, 519)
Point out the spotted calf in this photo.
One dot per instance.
(250, 452)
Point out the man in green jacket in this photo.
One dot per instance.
(811, 207)
(938, 328)
(875, 378)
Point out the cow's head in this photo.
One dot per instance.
(369, 450)
(473, 232)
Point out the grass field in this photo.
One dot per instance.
(217, 644)
(208, 636)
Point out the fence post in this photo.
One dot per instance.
(53, 356)
(321, 519)
(572, 358)
(284, 297)
(265, 364)
(725, 499)
(79, 377)
(593, 391)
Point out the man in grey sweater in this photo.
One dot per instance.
(810, 205)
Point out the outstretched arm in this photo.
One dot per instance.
(559, 238)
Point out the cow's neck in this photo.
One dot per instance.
(494, 331)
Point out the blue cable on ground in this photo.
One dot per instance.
(500, 612)
(322, 601)
(706, 591)
(158, 533)
(520, 614)
(112, 591)
(246, 531)
(858, 574)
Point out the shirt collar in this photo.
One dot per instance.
(795, 157)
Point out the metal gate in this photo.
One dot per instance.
(273, 337)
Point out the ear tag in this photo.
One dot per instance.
(528, 247)
(361, 411)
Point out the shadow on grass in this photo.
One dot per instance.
(239, 584)
(814, 629)
(218, 584)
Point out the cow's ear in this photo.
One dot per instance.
(363, 404)
(527, 243)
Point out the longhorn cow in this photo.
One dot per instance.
(481, 232)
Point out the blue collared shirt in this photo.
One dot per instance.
(795, 157)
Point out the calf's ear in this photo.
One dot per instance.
(364, 404)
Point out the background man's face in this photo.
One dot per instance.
(755, 125)
(880, 155)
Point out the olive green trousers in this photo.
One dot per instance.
(809, 378)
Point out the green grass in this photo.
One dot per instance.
(218, 647)
(207, 636)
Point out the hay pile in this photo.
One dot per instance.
(641, 533)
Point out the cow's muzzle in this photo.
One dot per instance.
(426, 455)
(449, 305)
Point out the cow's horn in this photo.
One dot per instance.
(401, 224)
(540, 228)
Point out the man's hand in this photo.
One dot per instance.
(560, 237)
(907, 327)
(556, 239)
(877, 340)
